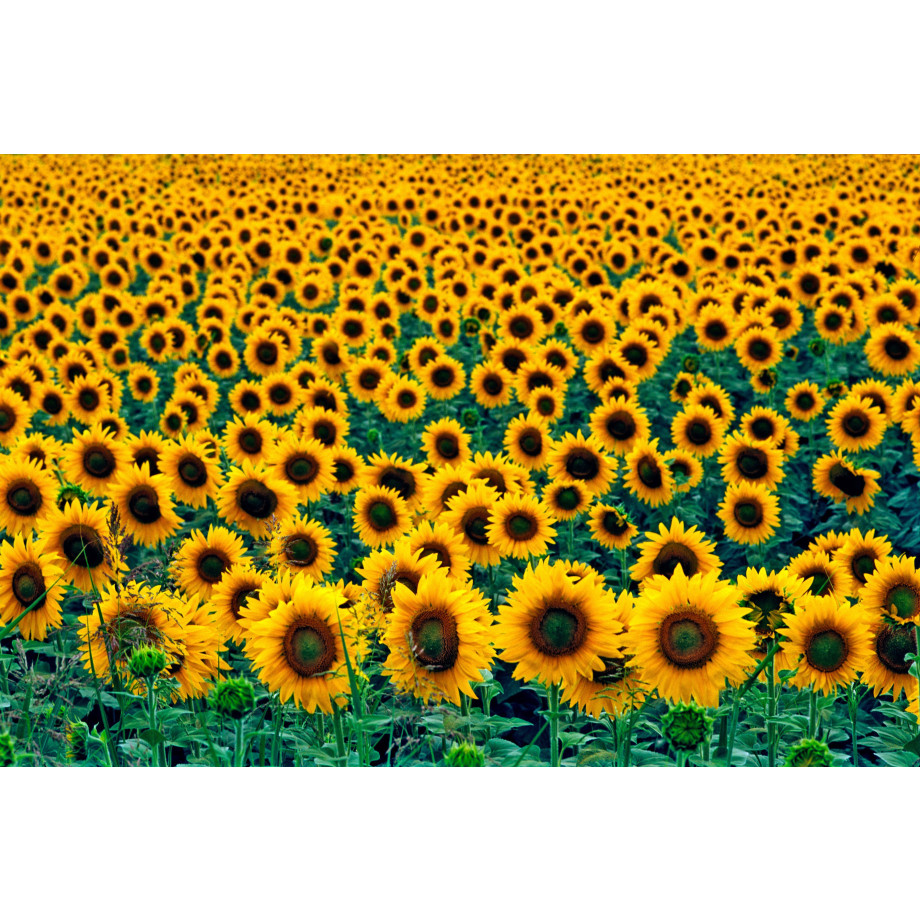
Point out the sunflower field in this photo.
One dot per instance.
(459, 461)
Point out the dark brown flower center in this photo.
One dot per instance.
(24, 498)
(893, 644)
(672, 555)
(211, 565)
(434, 641)
(256, 499)
(688, 638)
(582, 464)
(309, 647)
(144, 505)
(558, 630)
(649, 473)
(748, 514)
(99, 461)
(82, 546)
(827, 650)
(28, 584)
(192, 471)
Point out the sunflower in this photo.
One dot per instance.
(438, 639)
(859, 555)
(392, 472)
(716, 397)
(555, 628)
(498, 472)
(93, 460)
(80, 542)
(770, 599)
(15, 416)
(404, 401)
(30, 580)
(611, 526)
(27, 494)
(298, 648)
(303, 546)
(577, 460)
(304, 464)
(566, 500)
(254, 497)
(491, 385)
(446, 443)
(824, 576)
(744, 460)
(443, 378)
(835, 477)
(758, 349)
(469, 513)
(828, 641)
(546, 402)
(892, 350)
(855, 424)
(144, 505)
(647, 475)
(686, 469)
(674, 546)
(893, 590)
(347, 466)
(248, 438)
(381, 515)
(441, 542)
(750, 513)
(886, 669)
(521, 526)
(697, 429)
(230, 597)
(192, 469)
(202, 560)
(805, 401)
(528, 442)
(618, 424)
(689, 635)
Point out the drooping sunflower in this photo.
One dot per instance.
(27, 493)
(438, 639)
(230, 596)
(855, 424)
(202, 560)
(81, 544)
(554, 628)
(647, 475)
(611, 526)
(675, 545)
(30, 580)
(253, 497)
(893, 590)
(303, 546)
(193, 470)
(828, 641)
(689, 635)
(298, 648)
(750, 513)
(144, 505)
(618, 424)
(886, 669)
(577, 460)
(836, 477)
(381, 515)
(446, 443)
(744, 460)
(521, 526)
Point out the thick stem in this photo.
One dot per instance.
(771, 713)
(238, 744)
(813, 715)
(853, 703)
(152, 719)
(736, 701)
(553, 716)
(341, 756)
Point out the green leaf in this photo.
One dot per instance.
(152, 737)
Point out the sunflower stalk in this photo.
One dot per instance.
(152, 719)
(553, 718)
(771, 714)
(357, 703)
(853, 707)
(238, 744)
(341, 754)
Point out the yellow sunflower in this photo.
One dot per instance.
(254, 497)
(230, 597)
(618, 424)
(835, 477)
(144, 505)
(441, 542)
(577, 460)
(611, 526)
(27, 493)
(647, 474)
(859, 555)
(303, 545)
(528, 441)
(744, 460)
(673, 546)
(893, 589)
(520, 526)
(770, 599)
(438, 639)
(554, 628)
(93, 459)
(193, 471)
(202, 559)
(750, 513)
(886, 669)
(855, 424)
(828, 641)
(304, 464)
(30, 581)
(446, 443)
(381, 516)
(690, 635)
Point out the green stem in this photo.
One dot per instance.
(152, 719)
(238, 744)
(917, 662)
(277, 719)
(553, 717)
(4, 680)
(813, 715)
(341, 756)
(771, 714)
(736, 702)
(853, 704)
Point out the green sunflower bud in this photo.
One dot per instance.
(471, 325)
(809, 753)
(7, 750)
(70, 493)
(470, 418)
(560, 329)
(465, 755)
(234, 698)
(373, 436)
(817, 347)
(146, 661)
(691, 364)
(77, 740)
(685, 726)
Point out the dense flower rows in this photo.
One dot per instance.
(420, 459)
